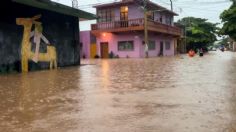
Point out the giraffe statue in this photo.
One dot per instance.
(26, 53)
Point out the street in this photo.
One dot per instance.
(165, 94)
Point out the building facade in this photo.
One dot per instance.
(120, 30)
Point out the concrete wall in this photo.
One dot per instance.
(113, 44)
(158, 39)
(138, 39)
(136, 12)
(60, 30)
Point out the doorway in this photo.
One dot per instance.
(161, 48)
(104, 50)
(124, 16)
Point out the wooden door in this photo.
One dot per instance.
(104, 50)
(93, 50)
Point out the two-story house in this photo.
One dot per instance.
(120, 29)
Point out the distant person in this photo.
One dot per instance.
(222, 48)
(191, 53)
(200, 52)
(146, 50)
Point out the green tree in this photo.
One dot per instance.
(200, 33)
(228, 17)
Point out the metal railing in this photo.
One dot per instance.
(118, 24)
(157, 26)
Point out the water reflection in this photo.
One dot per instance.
(156, 94)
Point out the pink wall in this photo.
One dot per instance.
(135, 12)
(138, 45)
(113, 44)
(156, 52)
(117, 13)
(171, 51)
(85, 40)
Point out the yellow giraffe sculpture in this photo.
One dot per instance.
(26, 53)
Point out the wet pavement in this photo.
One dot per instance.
(167, 94)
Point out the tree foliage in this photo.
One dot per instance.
(200, 33)
(228, 17)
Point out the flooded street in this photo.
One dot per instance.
(167, 94)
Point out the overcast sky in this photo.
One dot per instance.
(209, 9)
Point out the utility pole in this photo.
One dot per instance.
(171, 5)
(75, 4)
(145, 29)
(185, 38)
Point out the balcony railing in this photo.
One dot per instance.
(118, 24)
(136, 24)
(164, 28)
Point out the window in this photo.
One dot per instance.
(151, 45)
(124, 12)
(125, 46)
(105, 15)
(161, 19)
(168, 20)
(167, 45)
(150, 16)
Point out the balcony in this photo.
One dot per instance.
(164, 28)
(119, 26)
(135, 25)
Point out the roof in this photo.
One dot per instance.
(56, 7)
(113, 4)
(161, 8)
(151, 5)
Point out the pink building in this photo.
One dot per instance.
(120, 29)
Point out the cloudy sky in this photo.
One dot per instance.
(209, 9)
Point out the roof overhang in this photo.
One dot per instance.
(113, 4)
(56, 7)
(152, 6)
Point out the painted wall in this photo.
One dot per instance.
(60, 30)
(117, 13)
(156, 52)
(85, 40)
(138, 39)
(113, 44)
(135, 12)
(171, 51)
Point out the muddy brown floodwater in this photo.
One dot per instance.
(167, 94)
